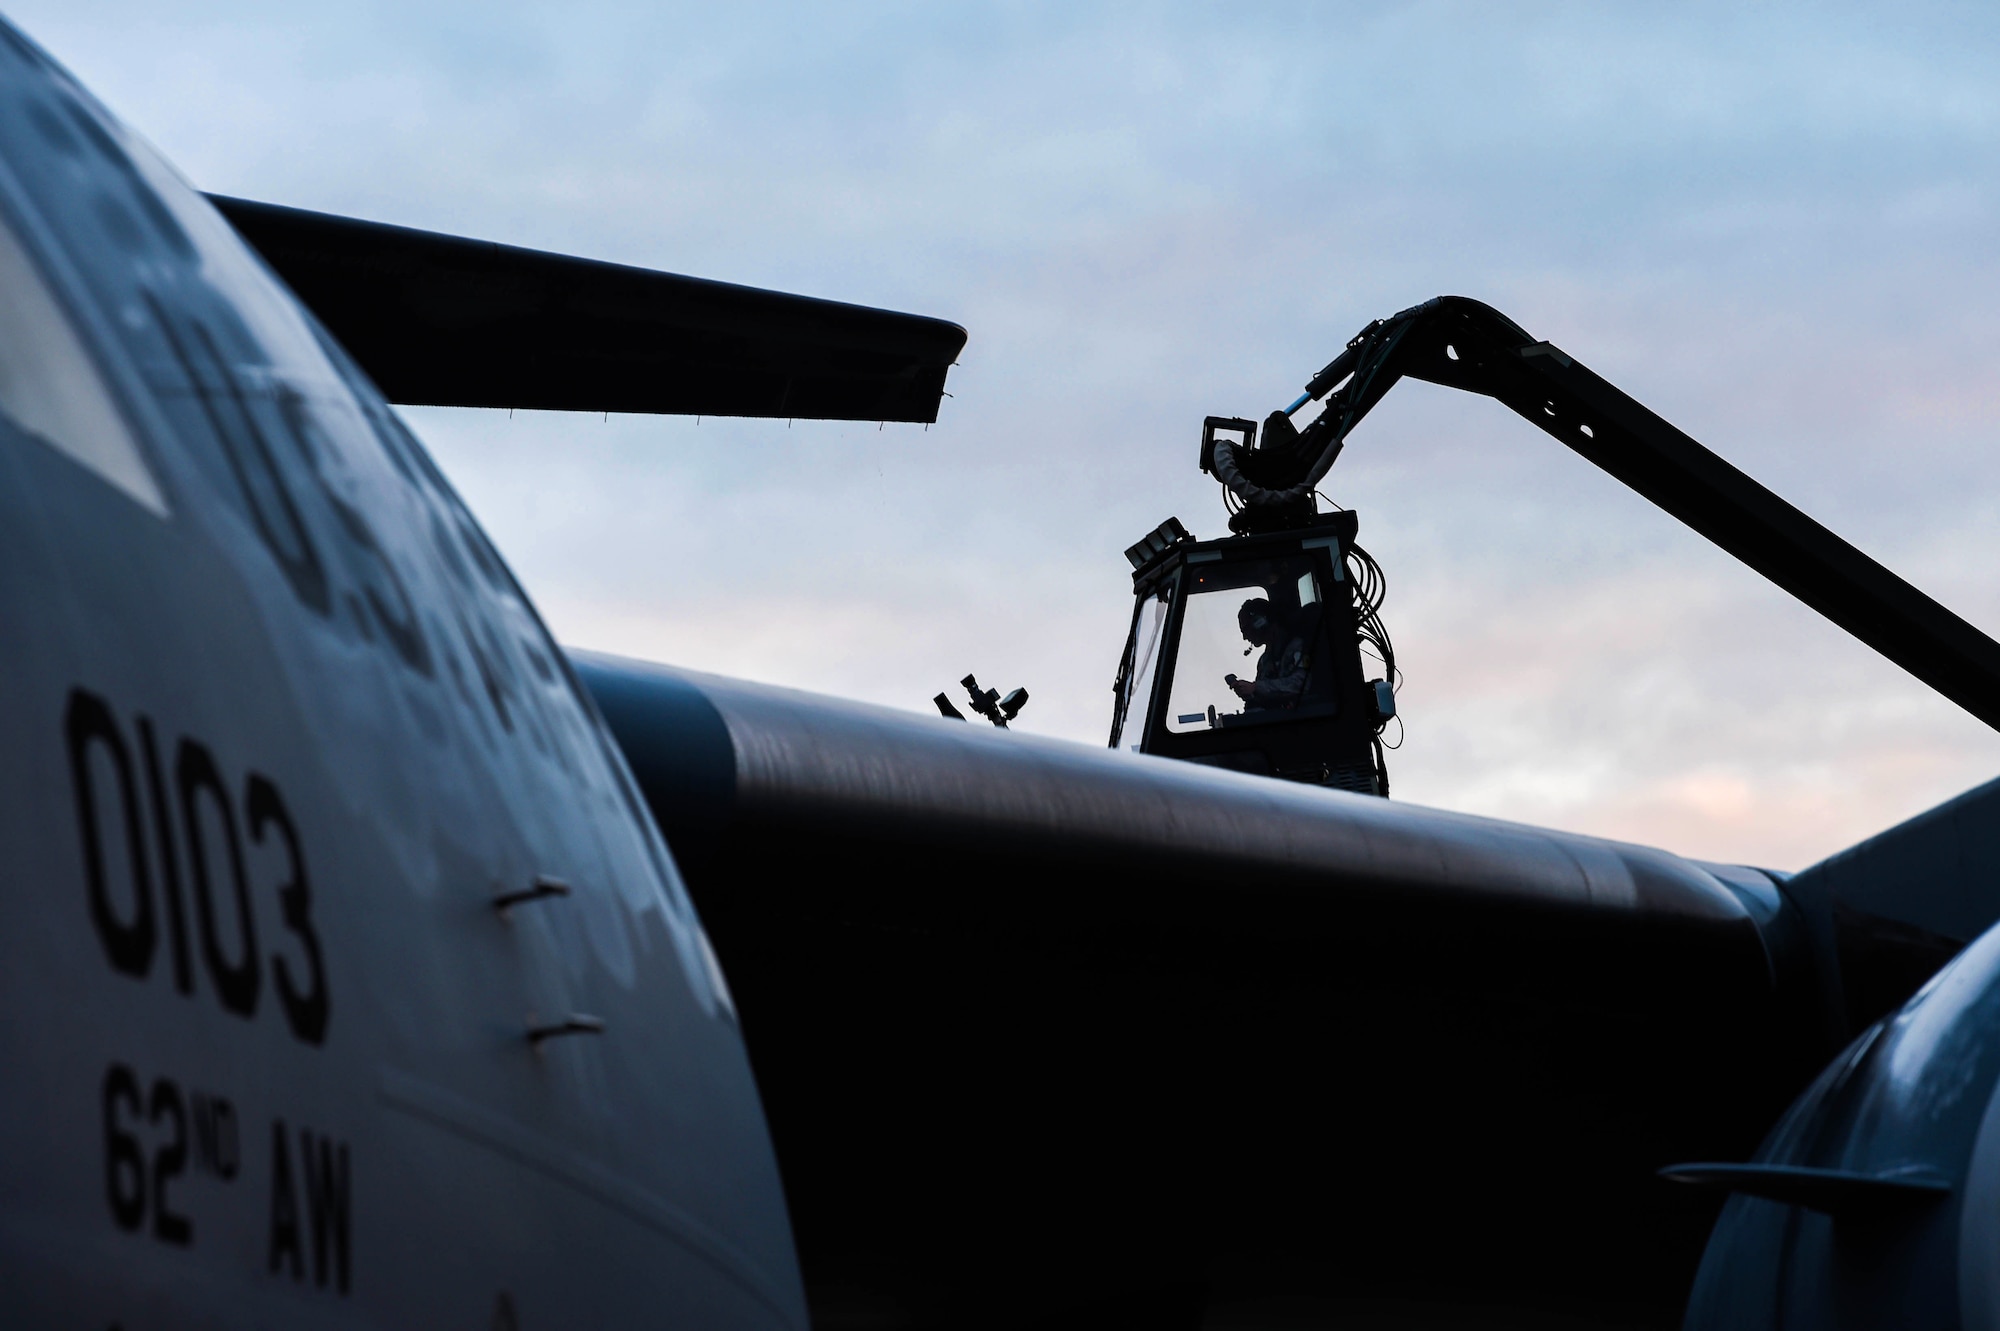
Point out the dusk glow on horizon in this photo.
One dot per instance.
(1773, 227)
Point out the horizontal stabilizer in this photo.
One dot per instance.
(441, 320)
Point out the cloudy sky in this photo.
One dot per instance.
(1775, 225)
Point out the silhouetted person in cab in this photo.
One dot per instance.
(1281, 670)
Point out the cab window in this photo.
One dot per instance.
(1252, 646)
(1142, 673)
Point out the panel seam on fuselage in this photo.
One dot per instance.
(453, 1113)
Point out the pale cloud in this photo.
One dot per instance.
(1772, 224)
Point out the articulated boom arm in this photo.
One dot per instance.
(1463, 344)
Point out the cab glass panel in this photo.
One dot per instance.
(1252, 646)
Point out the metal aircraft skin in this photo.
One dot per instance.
(349, 980)
(278, 728)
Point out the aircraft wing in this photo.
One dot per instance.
(1242, 1028)
(441, 320)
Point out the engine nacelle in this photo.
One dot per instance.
(1876, 1200)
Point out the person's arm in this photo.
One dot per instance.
(1287, 679)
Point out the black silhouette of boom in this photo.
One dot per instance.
(1464, 344)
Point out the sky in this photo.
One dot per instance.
(1775, 225)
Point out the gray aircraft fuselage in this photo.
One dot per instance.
(277, 728)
